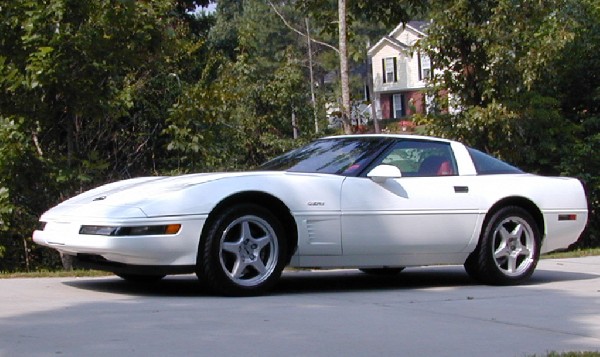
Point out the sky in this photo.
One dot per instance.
(211, 8)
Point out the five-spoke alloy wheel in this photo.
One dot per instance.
(248, 250)
(508, 250)
(243, 251)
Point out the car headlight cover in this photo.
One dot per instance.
(167, 229)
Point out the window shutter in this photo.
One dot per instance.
(420, 69)
(395, 71)
(383, 66)
(403, 110)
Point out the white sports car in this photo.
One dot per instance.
(378, 203)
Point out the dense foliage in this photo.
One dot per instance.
(96, 91)
(71, 72)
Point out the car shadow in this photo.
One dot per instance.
(172, 286)
(354, 280)
(318, 282)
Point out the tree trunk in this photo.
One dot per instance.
(67, 261)
(372, 97)
(294, 125)
(343, 42)
(312, 80)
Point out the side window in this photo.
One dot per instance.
(421, 158)
(488, 165)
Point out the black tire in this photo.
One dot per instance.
(508, 249)
(382, 271)
(142, 279)
(242, 252)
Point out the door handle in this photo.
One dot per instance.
(461, 189)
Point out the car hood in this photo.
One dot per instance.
(134, 197)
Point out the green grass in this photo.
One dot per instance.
(54, 274)
(578, 253)
(570, 354)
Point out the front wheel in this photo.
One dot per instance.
(242, 252)
(508, 249)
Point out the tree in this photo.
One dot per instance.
(84, 90)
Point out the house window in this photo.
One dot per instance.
(424, 67)
(398, 105)
(389, 70)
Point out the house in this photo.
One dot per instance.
(399, 72)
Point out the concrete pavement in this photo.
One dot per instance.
(433, 311)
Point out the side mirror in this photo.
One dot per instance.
(381, 173)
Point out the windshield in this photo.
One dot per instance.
(341, 156)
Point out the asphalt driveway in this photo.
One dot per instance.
(435, 311)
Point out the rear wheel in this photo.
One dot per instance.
(508, 249)
(242, 252)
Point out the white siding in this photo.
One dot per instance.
(407, 37)
(402, 74)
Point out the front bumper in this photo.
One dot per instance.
(180, 249)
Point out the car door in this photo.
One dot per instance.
(429, 210)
